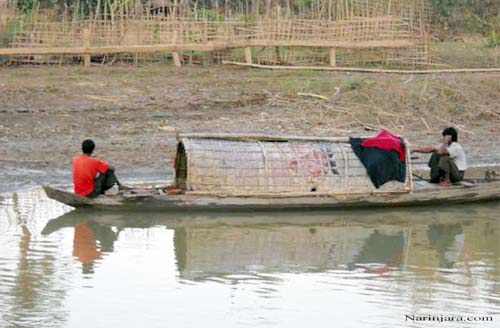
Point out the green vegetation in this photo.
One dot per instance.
(449, 17)
(12, 26)
(455, 17)
(494, 40)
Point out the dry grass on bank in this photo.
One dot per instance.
(471, 52)
(353, 101)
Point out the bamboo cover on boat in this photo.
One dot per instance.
(237, 165)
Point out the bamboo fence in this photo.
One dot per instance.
(336, 32)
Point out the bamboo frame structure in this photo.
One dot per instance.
(263, 165)
(334, 33)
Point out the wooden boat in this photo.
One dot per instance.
(241, 172)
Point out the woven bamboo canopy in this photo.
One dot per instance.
(260, 165)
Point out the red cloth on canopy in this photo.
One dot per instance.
(386, 141)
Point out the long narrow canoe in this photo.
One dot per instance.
(151, 198)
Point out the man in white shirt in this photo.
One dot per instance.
(448, 162)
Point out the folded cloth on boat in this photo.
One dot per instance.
(381, 165)
(386, 141)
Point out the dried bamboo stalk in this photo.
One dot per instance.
(259, 137)
(369, 70)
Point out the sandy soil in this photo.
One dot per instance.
(132, 113)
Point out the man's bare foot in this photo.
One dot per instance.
(445, 183)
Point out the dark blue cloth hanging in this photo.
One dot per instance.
(381, 165)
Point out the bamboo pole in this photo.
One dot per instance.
(333, 59)
(209, 46)
(260, 137)
(103, 50)
(176, 58)
(368, 70)
(248, 55)
(408, 165)
(86, 43)
(175, 54)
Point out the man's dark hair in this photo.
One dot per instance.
(451, 132)
(88, 146)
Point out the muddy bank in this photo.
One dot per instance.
(133, 113)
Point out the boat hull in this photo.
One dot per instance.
(424, 196)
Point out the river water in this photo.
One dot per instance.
(386, 268)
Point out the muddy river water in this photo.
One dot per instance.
(385, 268)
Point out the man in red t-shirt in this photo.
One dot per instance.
(91, 176)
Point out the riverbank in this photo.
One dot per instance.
(133, 113)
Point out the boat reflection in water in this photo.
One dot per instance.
(215, 245)
(205, 252)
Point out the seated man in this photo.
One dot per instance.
(91, 176)
(447, 163)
